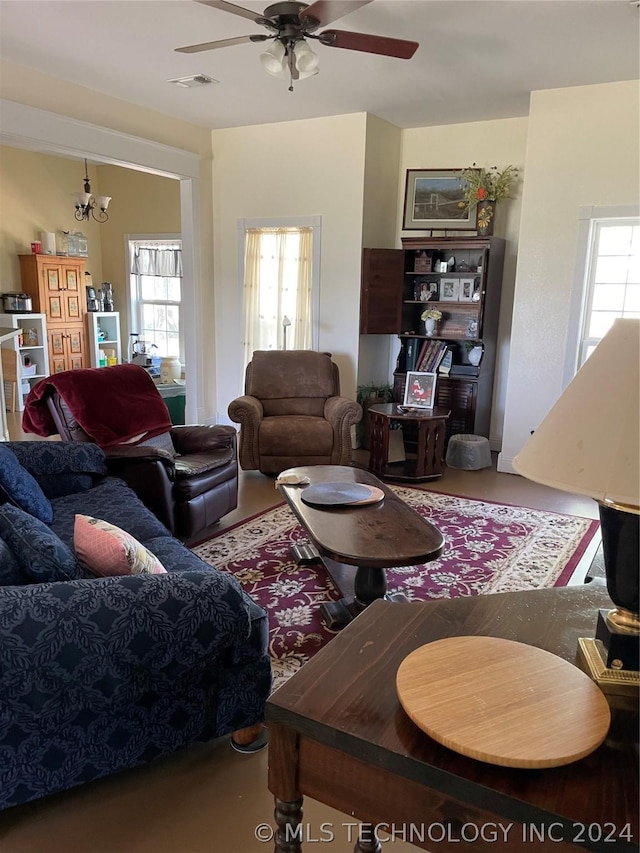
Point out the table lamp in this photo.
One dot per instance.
(588, 444)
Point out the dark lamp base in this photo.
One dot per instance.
(621, 645)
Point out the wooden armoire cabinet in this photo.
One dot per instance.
(393, 296)
(56, 287)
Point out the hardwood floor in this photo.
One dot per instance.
(207, 798)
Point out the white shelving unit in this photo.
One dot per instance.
(31, 346)
(103, 328)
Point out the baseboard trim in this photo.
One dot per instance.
(505, 464)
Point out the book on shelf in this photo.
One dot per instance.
(433, 356)
(465, 370)
(445, 365)
(443, 349)
(411, 354)
(422, 353)
(426, 355)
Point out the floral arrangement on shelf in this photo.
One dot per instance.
(431, 314)
(490, 184)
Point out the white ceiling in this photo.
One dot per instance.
(477, 60)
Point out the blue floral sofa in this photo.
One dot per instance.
(102, 674)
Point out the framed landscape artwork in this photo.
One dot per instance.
(432, 201)
(420, 390)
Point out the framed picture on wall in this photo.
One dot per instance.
(420, 390)
(449, 289)
(432, 200)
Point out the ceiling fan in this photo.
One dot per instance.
(291, 24)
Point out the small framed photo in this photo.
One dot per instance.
(477, 287)
(449, 291)
(420, 390)
(434, 290)
(424, 294)
(465, 292)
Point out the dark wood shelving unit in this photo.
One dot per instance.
(389, 305)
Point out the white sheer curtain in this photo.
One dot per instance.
(277, 284)
(162, 260)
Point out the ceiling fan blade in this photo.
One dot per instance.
(231, 7)
(399, 48)
(323, 12)
(212, 45)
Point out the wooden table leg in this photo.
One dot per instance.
(430, 451)
(283, 775)
(368, 841)
(288, 837)
(378, 443)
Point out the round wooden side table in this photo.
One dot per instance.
(426, 462)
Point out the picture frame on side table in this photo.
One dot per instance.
(465, 289)
(432, 200)
(420, 390)
(449, 290)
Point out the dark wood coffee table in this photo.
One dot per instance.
(372, 538)
(337, 733)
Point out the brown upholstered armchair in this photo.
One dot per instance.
(188, 486)
(292, 412)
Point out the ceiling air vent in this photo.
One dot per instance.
(193, 81)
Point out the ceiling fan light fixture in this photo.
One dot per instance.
(306, 60)
(273, 59)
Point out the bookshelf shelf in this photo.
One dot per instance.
(393, 296)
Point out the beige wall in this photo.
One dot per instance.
(142, 204)
(29, 87)
(579, 146)
(298, 168)
(582, 149)
(35, 195)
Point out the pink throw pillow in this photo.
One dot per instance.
(105, 549)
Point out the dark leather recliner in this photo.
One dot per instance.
(187, 493)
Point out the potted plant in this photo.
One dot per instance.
(370, 395)
(475, 351)
(484, 188)
(431, 316)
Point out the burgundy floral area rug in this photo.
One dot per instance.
(489, 548)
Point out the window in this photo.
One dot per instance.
(612, 287)
(156, 292)
(280, 293)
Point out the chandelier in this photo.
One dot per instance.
(87, 205)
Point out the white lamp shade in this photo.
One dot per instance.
(304, 75)
(103, 201)
(589, 442)
(273, 58)
(81, 199)
(306, 60)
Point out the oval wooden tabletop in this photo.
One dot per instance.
(382, 534)
(503, 702)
